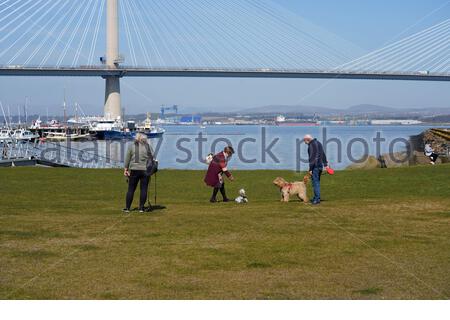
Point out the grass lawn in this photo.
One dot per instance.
(381, 234)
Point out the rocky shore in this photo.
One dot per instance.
(438, 138)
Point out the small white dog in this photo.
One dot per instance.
(242, 197)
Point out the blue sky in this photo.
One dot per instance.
(367, 24)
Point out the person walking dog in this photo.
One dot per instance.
(217, 168)
(136, 166)
(317, 162)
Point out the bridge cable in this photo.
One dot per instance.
(63, 32)
(25, 33)
(84, 35)
(74, 33)
(49, 34)
(96, 33)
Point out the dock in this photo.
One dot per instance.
(20, 154)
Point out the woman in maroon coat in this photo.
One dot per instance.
(214, 176)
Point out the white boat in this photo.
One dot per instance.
(64, 136)
(104, 125)
(39, 125)
(5, 136)
(24, 135)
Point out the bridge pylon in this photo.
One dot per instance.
(113, 109)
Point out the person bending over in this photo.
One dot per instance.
(217, 168)
(136, 160)
(317, 162)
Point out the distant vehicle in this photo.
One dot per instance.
(15, 66)
(424, 73)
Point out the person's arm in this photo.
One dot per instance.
(127, 162)
(324, 158)
(224, 167)
(313, 156)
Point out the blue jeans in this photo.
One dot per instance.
(317, 173)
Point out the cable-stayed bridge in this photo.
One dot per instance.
(198, 38)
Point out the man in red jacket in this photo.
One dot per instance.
(217, 168)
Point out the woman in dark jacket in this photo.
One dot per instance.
(136, 160)
(217, 168)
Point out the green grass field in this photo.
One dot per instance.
(381, 234)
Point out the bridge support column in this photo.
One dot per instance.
(113, 108)
(112, 98)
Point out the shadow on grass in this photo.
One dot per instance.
(154, 208)
(34, 254)
(258, 265)
(442, 214)
(158, 208)
(369, 291)
(19, 234)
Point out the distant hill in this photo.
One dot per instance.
(355, 110)
(298, 109)
(371, 108)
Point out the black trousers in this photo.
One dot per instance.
(222, 191)
(134, 179)
(434, 157)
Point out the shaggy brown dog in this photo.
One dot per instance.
(291, 189)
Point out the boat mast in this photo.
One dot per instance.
(76, 112)
(4, 116)
(18, 114)
(26, 110)
(9, 115)
(65, 107)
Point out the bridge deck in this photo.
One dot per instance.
(215, 73)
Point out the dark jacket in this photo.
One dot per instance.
(217, 167)
(317, 157)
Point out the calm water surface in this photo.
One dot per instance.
(271, 147)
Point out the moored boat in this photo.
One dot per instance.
(106, 129)
(64, 136)
(24, 135)
(5, 136)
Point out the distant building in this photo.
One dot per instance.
(190, 120)
(405, 122)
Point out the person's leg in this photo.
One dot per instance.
(145, 181)
(224, 194)
(434, 157)
(214, 194)
(316, 184)
(132, 184)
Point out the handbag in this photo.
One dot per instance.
(152, 163)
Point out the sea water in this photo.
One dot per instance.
(266, 147)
